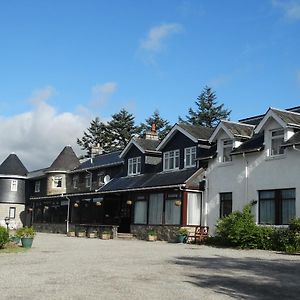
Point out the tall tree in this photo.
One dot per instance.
(97, 133)
(121, 128)
(207, 112)
(162, 125)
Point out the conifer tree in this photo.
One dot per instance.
(162, 125)
(207, 112)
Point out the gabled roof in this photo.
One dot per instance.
(12, 165)
(256, 143)
(153, 180)
(101, 161)
(144, 145)
(209, 153)
(283, 117)
(193, 132)
(233, 130)
(65, 161)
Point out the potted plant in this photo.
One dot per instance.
(105, 235)
(152, 235)
(92, 234)
(26, 235)
(182, 235)
(71, 233)
(81, 232)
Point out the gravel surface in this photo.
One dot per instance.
(60, 267)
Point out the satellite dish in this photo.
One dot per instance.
(106, 179)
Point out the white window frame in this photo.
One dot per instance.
(14, 185)
(276, 137)
(37, 186)
(226, 144)
(134, 166)
(75, 181)
(12, 213)
(56, 179)
(88, 180)
(170, 159)
(190, 157)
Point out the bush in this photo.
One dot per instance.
(182, 231)
(26, 232)
(152, 232)
(4, 237)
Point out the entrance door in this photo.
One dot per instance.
(125, 217)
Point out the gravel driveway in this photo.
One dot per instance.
(58, 267)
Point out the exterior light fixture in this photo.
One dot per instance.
(98, 203)
(128, 202)
(30, 209)
(178, 202)
(6, 219)
(76, 204)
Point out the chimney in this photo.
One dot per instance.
(152, 134)
(96, 150)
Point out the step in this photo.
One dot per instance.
(125, 236)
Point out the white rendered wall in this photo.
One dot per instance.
(4, 212)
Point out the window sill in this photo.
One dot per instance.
(275, 157)
(131, 175)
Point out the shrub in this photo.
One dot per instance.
(182, 231)
(152, 232)
(4, 237)
(26, 232)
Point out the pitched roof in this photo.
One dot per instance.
(294, 140)
(103, 160)
(147, 145)
(12, 165)
(207, 153)
(37, 173)
(239, 129)
(148, 181)
(256, 143)
(290, 118)
(65, 161)
(197, 131)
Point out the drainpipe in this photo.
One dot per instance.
(68, 212)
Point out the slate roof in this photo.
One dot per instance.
(65, 161)
(290, 118)
(148, 180)
(256, 143)
(239, 129)
(147, 145)
(12, 165)
(103, 160)
(197, 131)
(37, 173)
(294, 140)
(207, 153)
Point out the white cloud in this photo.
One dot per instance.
(291, 9)
(157, 36)
(102, 92)
(38, 136)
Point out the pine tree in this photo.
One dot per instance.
(162, 125)
(121, 129)
(208, 113)
(96, 134)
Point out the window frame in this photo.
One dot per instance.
(223, 213)
(12, 212)
(37, 186)
(189, 163)
(56, 179)
(14, 185)
(227, 146)
(75, 181)
(277, 137)
(171, 155)
(88, 180)
(134, 166)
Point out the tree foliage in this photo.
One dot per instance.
(162, 125)
(207, 112)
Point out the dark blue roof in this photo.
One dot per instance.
(103, 160)
(12, 165)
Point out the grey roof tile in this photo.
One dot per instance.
(239, 129)
(256, 143)
(197, 131)
(147, 145)
(12, 165)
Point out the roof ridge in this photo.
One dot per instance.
(238, 123)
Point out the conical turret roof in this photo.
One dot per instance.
(12, 165)
(65, 161)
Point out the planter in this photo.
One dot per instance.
(105, 236)
(71, 233)
(152, 238)
(182, 238)
(81, 234)
(92, 235)
(15, 239)
(26, 242)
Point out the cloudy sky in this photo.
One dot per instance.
(64, 62)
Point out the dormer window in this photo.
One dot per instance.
(277, 139)
(190, 157)
(134, 166)
(227, 148)
(171, 160)
(57, 181)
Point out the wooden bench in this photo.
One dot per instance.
(198, 234)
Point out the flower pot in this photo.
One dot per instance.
(81, 234)
(15, 239)
(182, 238)
(26, 242)
(71, 233)
(92, 235)
(152, 238)
(105, 236)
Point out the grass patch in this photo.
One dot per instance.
(12, 248)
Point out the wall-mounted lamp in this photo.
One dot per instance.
(98, 203)
(76, 204)
(178, 202)
(129, 202)
(30, 209)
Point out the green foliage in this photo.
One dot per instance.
(162, 125)
(294, 225)
(25, 232)
(152, 232)
(207, 112)
(4, 237)
(182, 231)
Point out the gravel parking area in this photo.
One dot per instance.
(59, 267)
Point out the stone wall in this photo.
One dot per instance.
(164, 233)
(52, 228)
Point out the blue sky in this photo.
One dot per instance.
(64, 62)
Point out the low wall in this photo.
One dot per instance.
(164, 233)
(52, 228)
